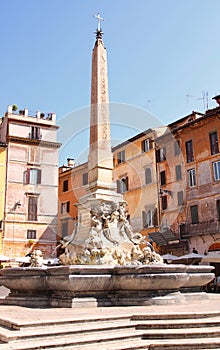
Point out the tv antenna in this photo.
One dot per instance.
(148, 102)
(188, 96)
(205, 99)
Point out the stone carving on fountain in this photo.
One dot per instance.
(36, 258)
(111, 241)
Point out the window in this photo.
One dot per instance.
(164, 202)
(35, 133)
(177, 148)
(161, 154)
(189, 152)
(121, 157)
(163, 177)
(65, 207)
(122, 185)
(213, 137)
(194, 214)
(31, 234)
(64, 228)
(192, 177)
(34, 155)
(65, 185)
(85, 179)
(216, 169)
(146, 145)
(33, 176)
(148, 176)
(149, 218)
(180, 198)
(178, 172)
(32, 208)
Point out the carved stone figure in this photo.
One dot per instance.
(37, 258)
(107, 220)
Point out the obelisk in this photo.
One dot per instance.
(101, 188)
(100, 160)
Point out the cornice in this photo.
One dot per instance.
(24, 140)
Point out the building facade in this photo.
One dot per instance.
(2, 188)
(199, 140)
(170, 178)
(135, 175)
(31, 191)
(73, 180)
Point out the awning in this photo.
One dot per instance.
(191, 256)
(4, 258)
(23, 259)
(169, 257)
(212, 257)
(163, 238)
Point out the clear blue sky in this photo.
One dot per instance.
(158, 52)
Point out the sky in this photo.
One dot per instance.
(163, 55)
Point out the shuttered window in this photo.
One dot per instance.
(32, 208)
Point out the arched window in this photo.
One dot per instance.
(148, 176)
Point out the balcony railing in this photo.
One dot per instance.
(201, 228)
(34, 136)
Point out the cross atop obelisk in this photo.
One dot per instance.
(99, 18)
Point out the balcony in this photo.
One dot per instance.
(202, 228)
(34, 136)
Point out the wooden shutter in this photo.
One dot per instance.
(32, 209)
(155, 219)
(38, 176)
(126, 183)
(118, 182)
(67, 207)
(27, 176)
(158, 155)
(144, 217)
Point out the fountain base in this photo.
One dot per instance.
(91, 286)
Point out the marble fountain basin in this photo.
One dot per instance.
(99, 285)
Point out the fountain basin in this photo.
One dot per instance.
(98, 285)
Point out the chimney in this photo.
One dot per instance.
(71, 162)
(217, 98)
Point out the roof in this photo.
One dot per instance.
(134, 138)
(163, 238)
(194, 113)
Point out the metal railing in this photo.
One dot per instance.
(201, 228)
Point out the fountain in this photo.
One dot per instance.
(105, 263)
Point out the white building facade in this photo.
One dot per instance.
(31, 198)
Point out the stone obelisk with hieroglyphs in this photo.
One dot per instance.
(101, 188)
(100, 161)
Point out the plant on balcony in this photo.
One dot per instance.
(14, 108)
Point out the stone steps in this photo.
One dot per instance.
(175, 324)
(56, 330)
(185, 333)
(174, 316)
(170, 331)
(71, 341)
(187, 344)
(42, 323)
